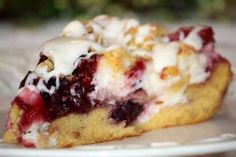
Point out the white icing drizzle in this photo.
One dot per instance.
(113, 30)
(30, 78)
(142, 32)
(197, 70)
(65, 51)
(74, 29)
(40, 86)
(31, 134)
(193, 38)
(34, 131)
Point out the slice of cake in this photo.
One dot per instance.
(106, 79)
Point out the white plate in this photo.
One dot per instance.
(215, 135)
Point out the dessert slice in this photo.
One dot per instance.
(107, 79)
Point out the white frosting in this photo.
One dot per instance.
(164, 55)
(65, 51)
(113, 29)
(197, 70)
(194, 39)
(33, 132)
(171, 98)
(142, 32)
(194, 65)
(153, 84)
(148, 112)
(40, 86)
(74, 29)
(109, 84)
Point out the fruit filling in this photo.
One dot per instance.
(72, 96)
(207, 39)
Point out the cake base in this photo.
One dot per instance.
(76, 129)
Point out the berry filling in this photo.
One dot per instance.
(42, 58)
(205, 33)
(180, 33)
(127, 111)
(22, 83)
(72, 96)
(207, 36)
(33, 107)
(136, 70)
(134, 73)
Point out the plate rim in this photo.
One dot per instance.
(192, 149)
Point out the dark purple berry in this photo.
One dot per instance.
(127, 111)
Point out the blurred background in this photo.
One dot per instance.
(31, 11)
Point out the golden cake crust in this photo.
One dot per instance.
(204, 100)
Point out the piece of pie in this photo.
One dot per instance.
(106, 79)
